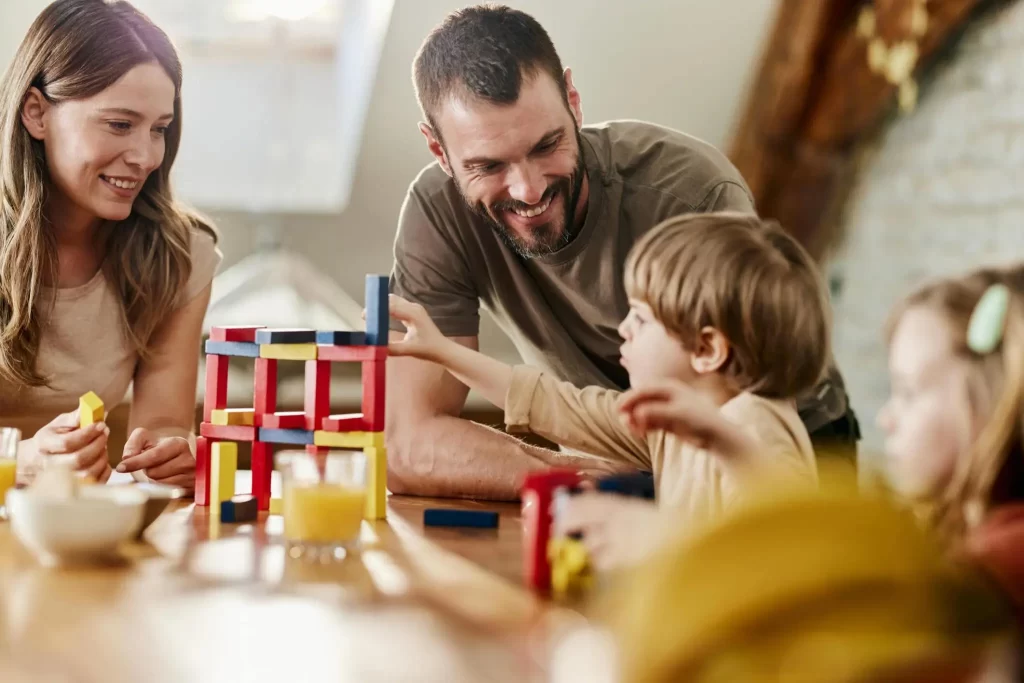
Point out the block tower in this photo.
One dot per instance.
(312, 427)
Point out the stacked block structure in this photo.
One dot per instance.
(313, 427)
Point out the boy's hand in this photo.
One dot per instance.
(675, 407)
(422, 338)
(618, 532)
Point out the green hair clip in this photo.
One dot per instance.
(985, 330)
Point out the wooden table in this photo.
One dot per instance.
(223, 603)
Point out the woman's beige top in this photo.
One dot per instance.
(689, 480)
(83, 347)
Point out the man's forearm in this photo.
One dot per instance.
(452, 457)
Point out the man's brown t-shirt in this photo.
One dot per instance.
(562, 310)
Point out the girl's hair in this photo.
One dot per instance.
(76, 49)
(750, 280)
(992, 471)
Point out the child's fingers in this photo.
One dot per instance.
(402, 310)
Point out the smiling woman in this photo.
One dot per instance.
(104, 278)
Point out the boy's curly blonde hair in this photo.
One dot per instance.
(750, 280)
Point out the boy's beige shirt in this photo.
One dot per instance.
(688, 479)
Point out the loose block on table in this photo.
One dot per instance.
(482, 519)
(239, 509)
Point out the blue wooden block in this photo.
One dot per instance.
(243, 349)
(340, 338)
(285, 336)
(239, 509)
(377, 310)
(300, 437)
(481, 519)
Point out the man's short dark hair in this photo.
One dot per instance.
(483, 51)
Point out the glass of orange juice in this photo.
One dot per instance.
(324, 500)
(9, 440)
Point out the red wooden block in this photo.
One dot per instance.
(216, 396)
(227, 433)
(262, 467)
(264, 390)
(373, 395)
(318, 392)
(353, 422)
(235, 333)
(202, 471)
(288, 420)
(317, 450)
(353, 354)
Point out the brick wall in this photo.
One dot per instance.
(942, 192)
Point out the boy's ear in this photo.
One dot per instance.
(712, 351)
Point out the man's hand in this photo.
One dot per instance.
(166, 460)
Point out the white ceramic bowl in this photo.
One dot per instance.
(72, 531)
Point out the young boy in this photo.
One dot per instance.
(728, 306)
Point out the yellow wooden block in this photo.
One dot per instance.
(376, 483)
(277, 506)
(234, 416)
(288, 351)
(348, 439)
(223, 465)
(90, 409)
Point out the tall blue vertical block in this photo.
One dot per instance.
(377, 310)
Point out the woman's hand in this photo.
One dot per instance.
(165, 460)
(63, 437)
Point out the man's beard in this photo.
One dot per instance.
(546, 238)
